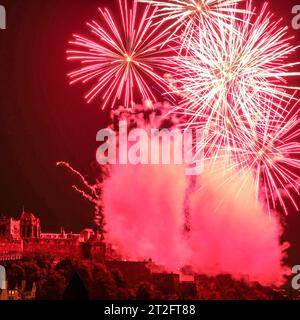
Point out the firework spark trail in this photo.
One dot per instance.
(93, 195)
(93, 189)
(270, 151)
(234, 89)
(230, 74)
(124, 61)
(273, 153)
(184, 16)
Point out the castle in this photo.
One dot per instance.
(24, 235)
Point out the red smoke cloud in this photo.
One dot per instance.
(143, 210)
(230, 232)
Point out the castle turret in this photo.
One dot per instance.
(30, 225)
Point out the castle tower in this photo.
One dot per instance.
(30, 225)
(9, 228)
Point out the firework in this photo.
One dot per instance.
(90, 192)
(231, 74)
(123, 63)
(272, 153)
(233, 85)
(184, 15)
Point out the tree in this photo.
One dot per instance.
(76, 289)
(15, 275)
(119, 279)
(44, 261)
(103, 286)
(51, 287)
(66, 267)
(145, 291)
(32, 272)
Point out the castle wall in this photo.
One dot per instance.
(55, 247)
(8, 246)
(133, 272)
(10, 228)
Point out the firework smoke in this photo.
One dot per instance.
(228, 234)
(232, 232)
(211, 222)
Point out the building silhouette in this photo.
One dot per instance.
(24, 235)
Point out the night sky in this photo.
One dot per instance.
(44, 120)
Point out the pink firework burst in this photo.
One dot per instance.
(186, 15)
(230, 75)
(123, 64)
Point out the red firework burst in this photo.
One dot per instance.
(123, 63)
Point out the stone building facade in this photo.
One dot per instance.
(25, 235)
